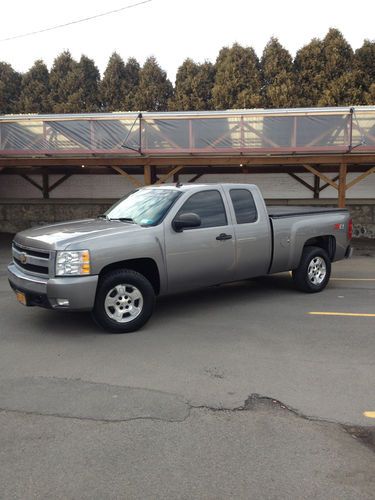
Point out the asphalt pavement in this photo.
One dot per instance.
(236, 391)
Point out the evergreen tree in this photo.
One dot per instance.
(10, 87)
(342, 91)
(277, 76)
(64, 83)
(203, 85)
(341, 88)
(84, 82)
(112, 85)
(154, 88)
(34, 97)
(370, 95)
(131, 83)
(364, 66)
(324, 72)
(237, 81)
(309, 73)
(193, 90)
(337, 55)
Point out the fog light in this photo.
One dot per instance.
(62, 302)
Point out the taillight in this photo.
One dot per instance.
(350, 229)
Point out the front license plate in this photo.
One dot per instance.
(21, 297)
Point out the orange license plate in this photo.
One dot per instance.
(21, 297)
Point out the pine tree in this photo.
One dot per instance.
(64, 83)
(337, 54)
(131, 83)
(112, 89)
(237, 81)
(342, 91)
(309, 73)
(84, 82)
(34, 97)
(10, 87)
(183, 99)
(154, 88)
(193, 90)
(203, 85)
(364, 66)
(277, 76)
(341, 88)
(324, 72)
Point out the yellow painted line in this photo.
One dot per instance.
(352, 279)
(369, 414)
(321, 313)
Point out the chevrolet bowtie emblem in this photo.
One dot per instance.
(23, 258)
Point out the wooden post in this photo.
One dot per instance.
(176, 177)
(147, 175)
(316, 187)
(342, 185)
(45, 186)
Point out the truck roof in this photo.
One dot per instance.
(187, 186)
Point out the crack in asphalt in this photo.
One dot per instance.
(365, 435)
(255, 402)
(93, 419)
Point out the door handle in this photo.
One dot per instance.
(224, 236)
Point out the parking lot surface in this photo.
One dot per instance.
(249, 390)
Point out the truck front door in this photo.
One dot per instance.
(204, 255)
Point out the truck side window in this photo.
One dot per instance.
(244, 206)
(209, 206)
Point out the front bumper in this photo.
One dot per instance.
(79, 291)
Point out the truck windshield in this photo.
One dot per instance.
(146, 207)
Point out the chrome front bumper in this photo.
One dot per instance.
(79, 291)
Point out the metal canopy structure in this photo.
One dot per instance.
(161, 146)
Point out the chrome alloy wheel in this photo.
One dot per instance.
(317, 270)
(123, 303)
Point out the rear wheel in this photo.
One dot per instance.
(314, 270)
(124, 301)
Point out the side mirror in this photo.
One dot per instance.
(186, 220)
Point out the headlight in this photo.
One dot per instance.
(73, 263)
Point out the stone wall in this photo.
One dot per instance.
(16, 214)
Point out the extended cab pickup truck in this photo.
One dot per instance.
(171, 238)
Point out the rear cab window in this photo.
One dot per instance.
(209, 206)
(244, 206)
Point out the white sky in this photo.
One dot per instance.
(174, 29)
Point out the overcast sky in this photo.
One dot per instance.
(174, 29)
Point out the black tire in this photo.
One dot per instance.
(311, 283)
(127, 283)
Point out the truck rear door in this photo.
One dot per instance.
(252, 231)
(205, 255)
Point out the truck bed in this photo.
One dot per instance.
(277, 212)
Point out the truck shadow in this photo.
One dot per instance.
(170, 309)
(226, 296)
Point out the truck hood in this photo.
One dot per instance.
(60, 236)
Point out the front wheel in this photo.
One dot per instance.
(124, 301)
(313, 273)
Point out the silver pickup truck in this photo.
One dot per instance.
(171, 238)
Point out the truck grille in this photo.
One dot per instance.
(32, 260)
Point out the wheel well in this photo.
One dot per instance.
(328, 243)
(147, 267)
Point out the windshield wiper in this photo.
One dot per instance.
(123, 219)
